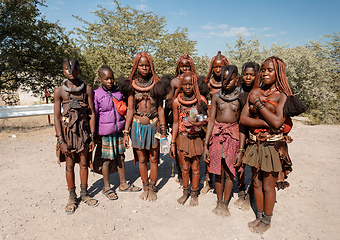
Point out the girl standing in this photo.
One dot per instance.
(145, 116)
(187, 132)
(269, 105)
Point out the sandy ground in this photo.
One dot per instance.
(34, 193)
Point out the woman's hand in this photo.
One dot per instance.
(238, 159)
(206, 157)
(126, 141)
(172, 151)
(254, 95)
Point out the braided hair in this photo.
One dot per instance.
(219, 56)
(230, 69)
(71, 63)
(190, 61)
(202, 106)
(135, 66)
(281, 83)
(293, 105)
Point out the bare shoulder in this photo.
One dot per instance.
(175, 82)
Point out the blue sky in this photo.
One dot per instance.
(213, 23)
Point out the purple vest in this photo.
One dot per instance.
(108, 120)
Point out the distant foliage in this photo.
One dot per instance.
(120, 34)
(31, 48)
(312, 72)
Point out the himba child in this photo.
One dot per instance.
(109, 126)
(188, 137)
(145, 116)
(224, 136)
(184, 63)
(214, 81)
(248, 74)
(74, 128)
(269, 105)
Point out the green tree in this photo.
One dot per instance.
(245, 51)
(31, 48)
(312, 72)
(119, 34)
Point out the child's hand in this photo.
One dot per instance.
(64, 149)
(91, 146)
(172, 151)
(238, 159)
(126, 141)
(206, 157)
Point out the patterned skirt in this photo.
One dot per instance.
(143, 136)
(112, 145)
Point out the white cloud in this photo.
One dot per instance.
(181, 12)
(266, 28)
(210, 26)
(269, 35)
(142, 7)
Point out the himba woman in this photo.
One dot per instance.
(184, 63)
(224, 137)
(145, 115)
(249, 71)
(214, 81)
(269, 104)
(188, 137)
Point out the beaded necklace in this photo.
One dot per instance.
(231, 96)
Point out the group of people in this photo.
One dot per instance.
(246, 121)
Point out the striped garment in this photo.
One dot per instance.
(112, 145)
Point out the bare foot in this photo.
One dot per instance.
(261, 228)
(245, 206)
(144, 195)
(152, 196)
(218, 210)
(225, 211)
(185, 196)
(254, 223)
(205, 189)
(193, 201)
(241, 198)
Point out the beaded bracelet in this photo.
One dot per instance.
(59, 135)
(126, 131)
(172, 142)
(241, 150)
(61, 141)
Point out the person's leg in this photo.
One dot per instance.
(107, 191)
(83, 172)
(143, 170)
(185, 177)
(207, 181)
(269, 182)
(72, 200)
(259, 197)
(195, 167)
(154, 159)
(241, 188)
(219, 179)
(228, 186)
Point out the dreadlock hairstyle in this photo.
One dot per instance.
(219, 56)
(71, 63)
(104, 67)
(230, 69)
(190, 61)
(281, 83)
(161, 87)
(202, 105)
(135, 65)
(293, 105)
